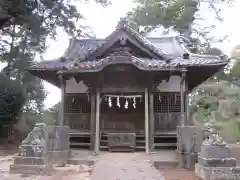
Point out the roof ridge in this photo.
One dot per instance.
(122, 25)
(146, 39)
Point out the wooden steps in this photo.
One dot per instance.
(162, 140)
(80, 140)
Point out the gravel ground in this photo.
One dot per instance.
(178, 174)
(125, 166)
(117, 166)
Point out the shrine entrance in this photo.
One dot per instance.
(122, 113)
(122, 122)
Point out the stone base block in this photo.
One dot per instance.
(202, 172)
(217, 173)
(59, 158)
(29, 160)
(215, 151)
(228, 162)
(30, 169)
(186, 160)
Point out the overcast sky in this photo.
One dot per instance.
(104, 20)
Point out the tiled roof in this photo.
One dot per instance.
(141, 63)
(171, 48)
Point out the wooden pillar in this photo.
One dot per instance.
(187, 104)
(60, 121)
(146, 122)
(97, 129)
(93, 112)
(182, 99)
(151, 113)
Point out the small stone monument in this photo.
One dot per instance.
(57, 144)
(215, 161)
(121, 141)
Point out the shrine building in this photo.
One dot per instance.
(127, 90)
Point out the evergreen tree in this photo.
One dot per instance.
(12, 98)
(184, 16)
(24, 27)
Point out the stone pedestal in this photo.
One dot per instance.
(186, 160)
(217, 173)
(43, 147)
(215, 161)
(32, 157)
(189, 140)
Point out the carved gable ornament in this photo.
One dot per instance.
(123, 34)
(123, 40)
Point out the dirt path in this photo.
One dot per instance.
(124, 166)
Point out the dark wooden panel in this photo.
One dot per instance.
(128, 122)
(166, 121)
(77, 121)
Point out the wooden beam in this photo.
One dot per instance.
(93, 112)
(151, 113)
(97, 135)
(146, 122)
(187, 104)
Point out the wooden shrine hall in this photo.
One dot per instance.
(126, 92)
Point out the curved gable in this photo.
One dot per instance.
(123, 33)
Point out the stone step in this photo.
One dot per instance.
(28, 160)
(139, 147)
(79, 144)
(30, 169)
(103, 148)
(87, 162)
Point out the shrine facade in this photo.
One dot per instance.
(126, 91)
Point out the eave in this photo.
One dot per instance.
(199, 68)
